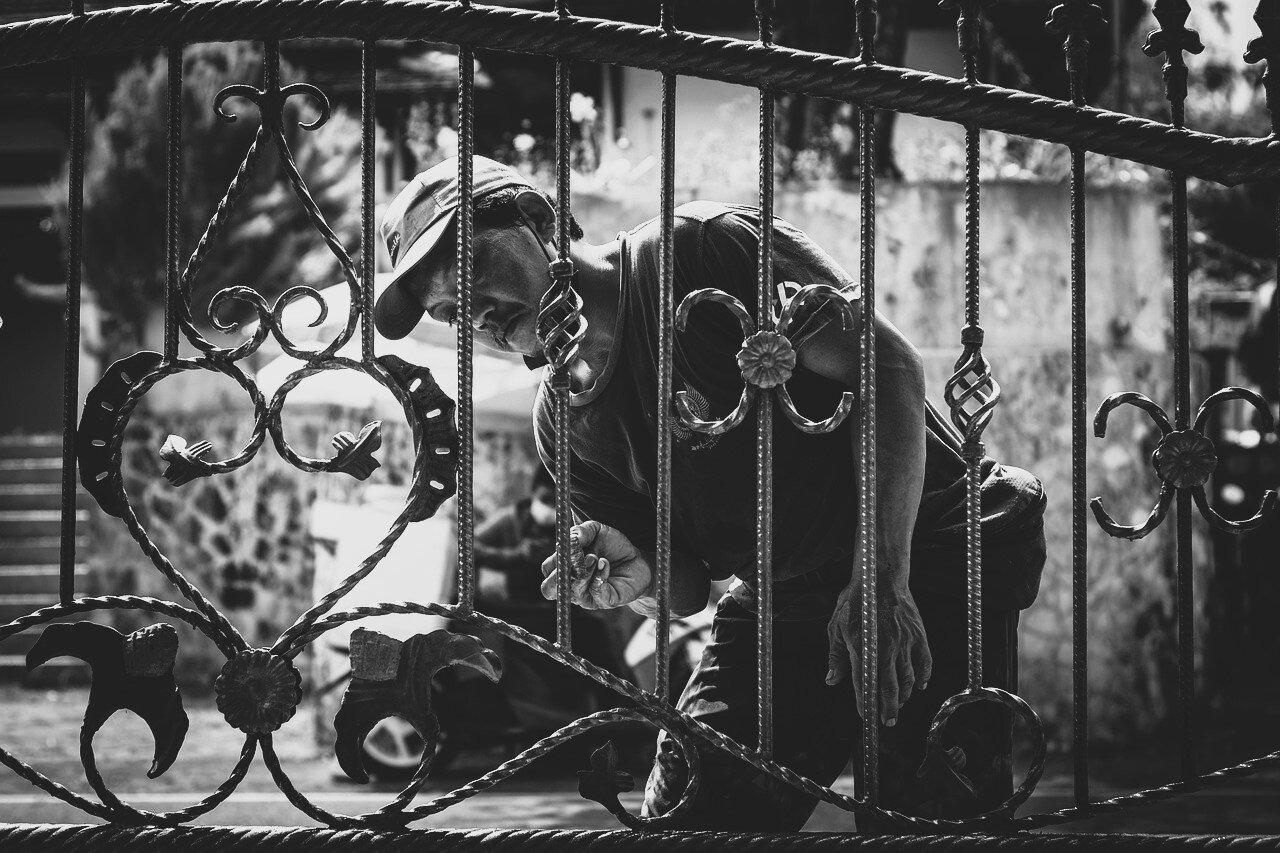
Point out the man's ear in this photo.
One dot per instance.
(538, 212)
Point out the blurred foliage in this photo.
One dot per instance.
(267, 243)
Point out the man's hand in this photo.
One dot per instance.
(613, 571)
(905, 660)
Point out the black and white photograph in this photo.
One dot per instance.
(639, 425)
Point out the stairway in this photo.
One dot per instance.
(30, 526)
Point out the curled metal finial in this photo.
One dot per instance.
(561, 326)
(1266, 47)
(270, 102)
(1183, 459)
(1172, 39)
(866, 14)
(1073, 19)
(968, 22)
(972, 383)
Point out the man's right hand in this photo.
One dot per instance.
(613, 573)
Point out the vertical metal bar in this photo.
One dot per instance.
(662, 636)
(865, 11)
(368, 246)
(764, 419)
(1172, 39)
(972, 376)
(560, 378)
(173, 193)
(1079, 487)
(1071, 19)
(271, 65)
(1119, 60)
(466, 437)
(71, 327)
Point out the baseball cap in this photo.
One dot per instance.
(413, 224)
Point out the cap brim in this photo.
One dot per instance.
(399, 310)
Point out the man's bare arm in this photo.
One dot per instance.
(900, 407)
(690, 586)
(900, 456)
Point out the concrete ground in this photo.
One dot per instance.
(41, 728)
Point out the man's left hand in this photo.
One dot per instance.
(905, 661)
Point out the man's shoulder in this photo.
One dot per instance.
(691, 220)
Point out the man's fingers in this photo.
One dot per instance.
(837, 656)
(548, 565)
(550, 585)
(889, 695)
(587, 533)
(922, 660)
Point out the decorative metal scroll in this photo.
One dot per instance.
(259, 689)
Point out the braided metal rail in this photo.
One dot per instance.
(39, 838)
(1220, 159)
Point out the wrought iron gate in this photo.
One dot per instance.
(259, 689)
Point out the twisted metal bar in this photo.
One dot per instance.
(666, 299)
(765, 321)
(71, 326)
(865, 13)
(1228, 161)
(561, 328)
(1172, 39)
(1071, 19)
(674, 721)
(173, 193)
(465, 341)
(368, 246)
(40, 838)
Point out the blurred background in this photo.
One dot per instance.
(267, 540)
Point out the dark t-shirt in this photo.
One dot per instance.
(613, 425)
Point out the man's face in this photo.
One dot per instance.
(509, 276)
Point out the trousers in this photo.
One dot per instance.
(816, 728)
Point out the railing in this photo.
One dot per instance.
(259, 689)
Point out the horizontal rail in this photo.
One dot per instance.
(39, 838)
(1221, 159)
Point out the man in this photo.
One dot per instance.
(817, 588)
(510, 547)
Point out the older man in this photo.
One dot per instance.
(817, 587)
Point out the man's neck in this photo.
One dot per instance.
(599, 270)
